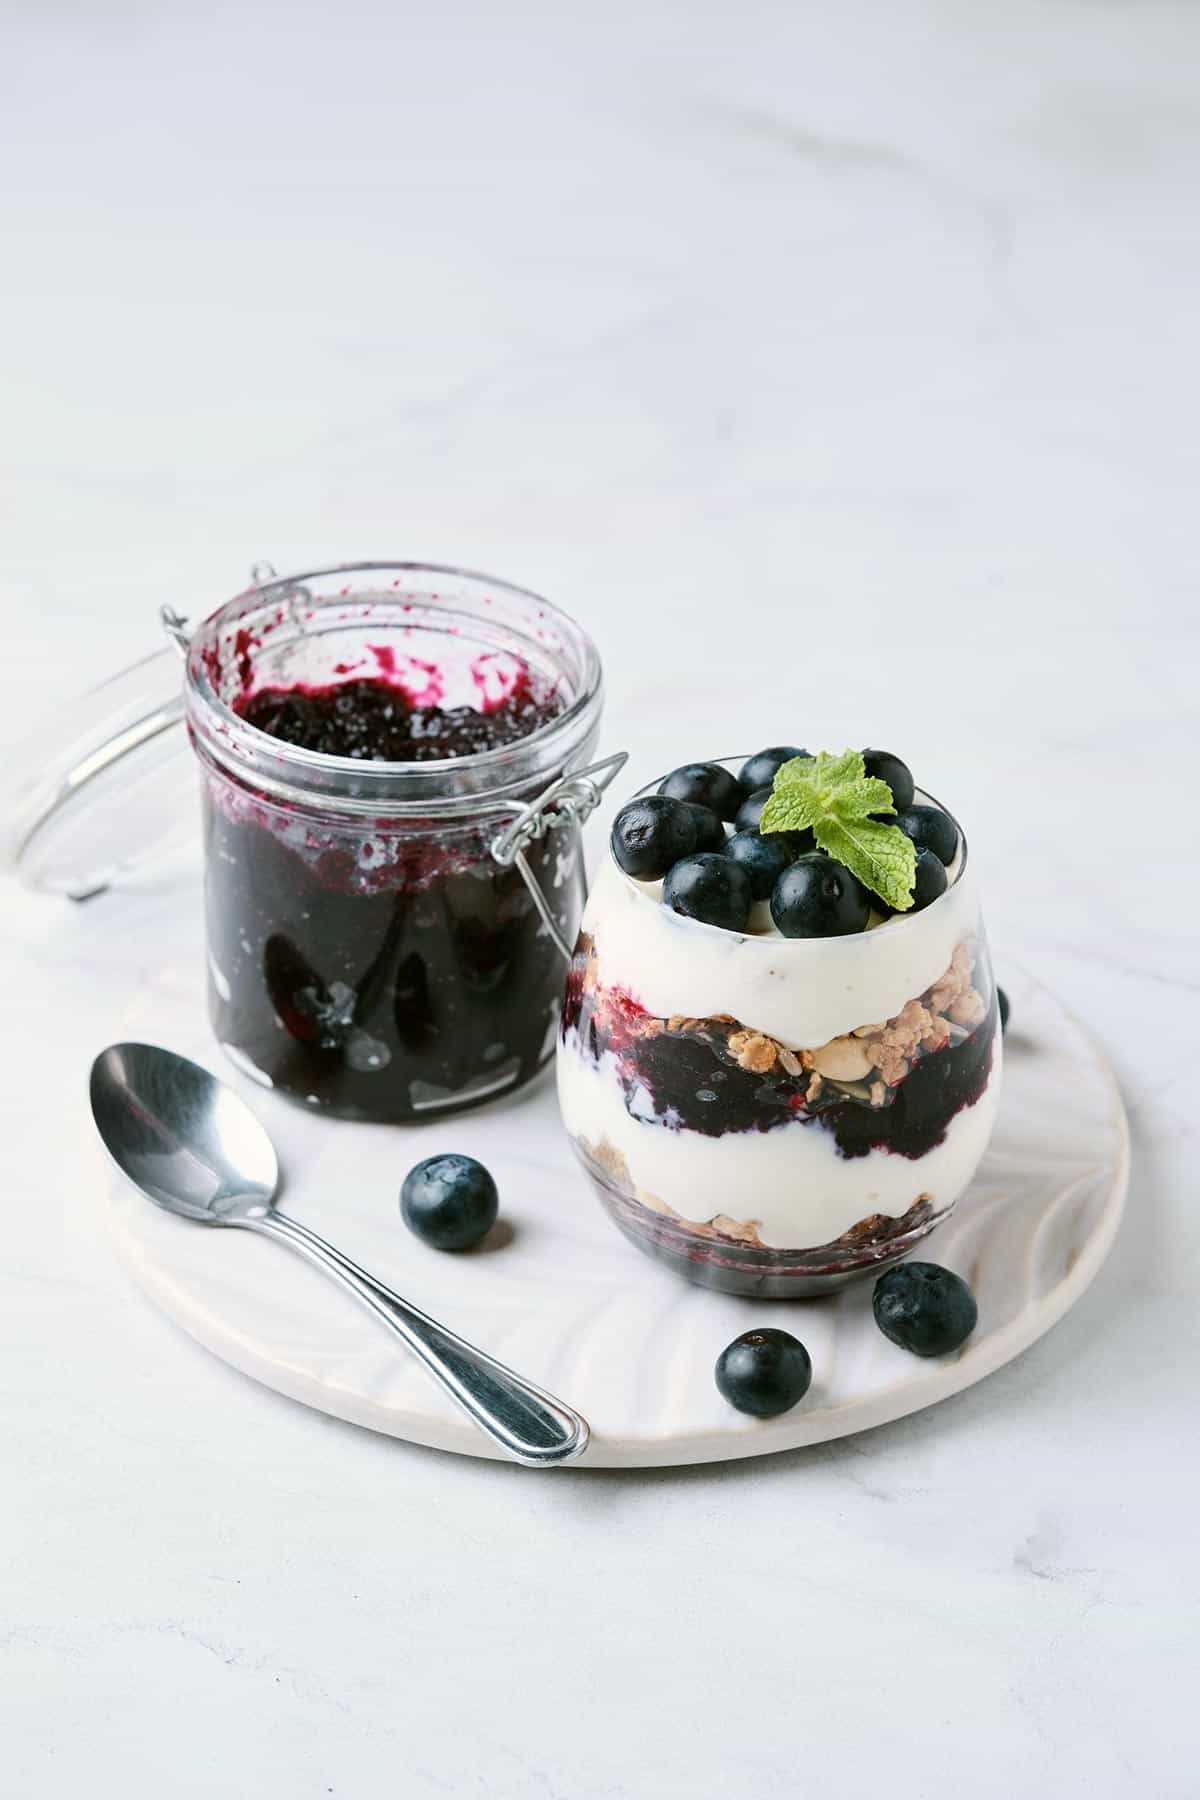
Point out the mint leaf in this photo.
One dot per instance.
(790, 809)
(859, 799)
(882, 857)
(835, 798)
(824, 770)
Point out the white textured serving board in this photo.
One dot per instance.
(568, 1302)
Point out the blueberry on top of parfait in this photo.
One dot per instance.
(763, 858)
(886, 767)
(760, 770)
(816, 896)
(710, 832)
(930, 881)
(710, 889)
(930, 829)
(749, 814)
(650, 834)
(706, 784)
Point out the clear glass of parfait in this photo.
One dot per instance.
(771, 1114)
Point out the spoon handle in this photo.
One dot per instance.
(530, 1425)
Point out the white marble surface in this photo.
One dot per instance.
(837, 366)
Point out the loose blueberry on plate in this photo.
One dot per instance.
(816, 896)
(709, 888)
(763, 858)
(764, 1372)
(710, 833)
(924, 1308)
(449, 1202)
(930, 829)
(760, 771)
(930, 880)
(889, 768)
(650, 834)
(707, 784)
(1002, 1003)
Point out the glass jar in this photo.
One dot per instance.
(771, 1115)
(380, 945)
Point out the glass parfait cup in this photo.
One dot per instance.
(775, 1116)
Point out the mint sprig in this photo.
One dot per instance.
(834, 798)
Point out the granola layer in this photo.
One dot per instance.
(873, 1232)
(892, 1084)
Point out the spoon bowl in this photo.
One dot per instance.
(191, 1145)
(180, 1135)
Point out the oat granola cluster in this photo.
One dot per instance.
(879, 1055)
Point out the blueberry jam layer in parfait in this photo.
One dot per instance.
(778, 1082)
(368, 954)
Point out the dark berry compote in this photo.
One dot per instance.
(383, 968)
(375, 720)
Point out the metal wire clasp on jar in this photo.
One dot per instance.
(569, 801)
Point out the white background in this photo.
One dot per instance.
(836, 365)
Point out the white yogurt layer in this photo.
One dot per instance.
(790, 1181)
(800, 991)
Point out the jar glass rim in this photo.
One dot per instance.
(288, 771)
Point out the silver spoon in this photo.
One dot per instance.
(194, 1147)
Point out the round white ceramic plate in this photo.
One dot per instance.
(562, 1297)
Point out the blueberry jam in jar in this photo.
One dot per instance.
(365, 736)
